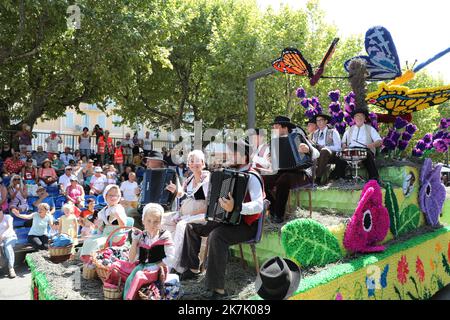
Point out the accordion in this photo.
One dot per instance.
(221, 183)
(154, 185)
(285, 154)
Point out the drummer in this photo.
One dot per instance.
(327, 140)
(362, 135)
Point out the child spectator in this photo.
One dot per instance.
(68, 223)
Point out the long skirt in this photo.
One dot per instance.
(144, 273)
(96, 242)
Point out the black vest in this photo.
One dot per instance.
(152, 255)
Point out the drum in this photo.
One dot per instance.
(353, 154)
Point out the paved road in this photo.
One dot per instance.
(17, 288)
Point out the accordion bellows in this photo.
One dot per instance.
(222, 182)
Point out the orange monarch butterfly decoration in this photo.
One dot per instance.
(293, 62)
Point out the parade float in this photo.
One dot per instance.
(364, 240)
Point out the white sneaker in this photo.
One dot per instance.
(12, 273)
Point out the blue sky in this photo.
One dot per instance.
(420, 29)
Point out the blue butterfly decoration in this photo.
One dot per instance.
(382, 62)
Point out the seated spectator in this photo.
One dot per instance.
(18, 194)
(90, 209)
(138, 159)
(87, 225)
(8, 239)
(3, 196)
(13, 165)
(124, 176)
(44, 198)
(78, 171)
(130, 191)
(75, 192)
(88, 172)
(29, 156)
(66, 156)
(47, 174)
(76, 155)
(40, 155)
(57, 164)
(29, 173)
(98, 182)
(68, 223)
(52, 144)
(6, 152)
(111, 174)
(64, 180)
(38, 235)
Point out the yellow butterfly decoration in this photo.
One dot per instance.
(400, 100)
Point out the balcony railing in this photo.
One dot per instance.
(70, 140)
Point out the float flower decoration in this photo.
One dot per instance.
(439, 141)
(398, 138)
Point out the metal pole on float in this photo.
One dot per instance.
(251, 109)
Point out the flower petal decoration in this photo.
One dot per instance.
(411, 128)
(334, 95)
(432, 192)
(370, 223)
(440, 146)
(301, 93)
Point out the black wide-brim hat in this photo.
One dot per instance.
(323, 115)
(155, 155)
(284, 121)
(277, 279)
(360, 110)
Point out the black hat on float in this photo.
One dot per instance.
(323, 115)
(284, 121)
(360, 110)
(155, 155)
(278, 278)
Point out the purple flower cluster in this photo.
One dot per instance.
(397, 139)
(349, 106)
(301, 93)
(440, 140)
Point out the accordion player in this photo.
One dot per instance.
(285, 152)
(222, 182)
(154, 186)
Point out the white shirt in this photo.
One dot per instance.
(147, 144)
(129, 190)
(99, 183)
(64, 180)
(66, 158)
(255, 189)
(259, 160)
(358, 138)
(6, 227)
(52, 144)
(321, 139)
(127, 145)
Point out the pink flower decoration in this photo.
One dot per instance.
(370, 223)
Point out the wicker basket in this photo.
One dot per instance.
(89, 272)
(104, 271)
(112, 293)
(60, 254)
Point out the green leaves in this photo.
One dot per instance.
(309, 243)
(390, 201)
(407, 220)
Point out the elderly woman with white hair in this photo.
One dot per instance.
(111, 217)
(193, 201)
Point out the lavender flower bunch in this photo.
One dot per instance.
(398, 137)
(439, 141)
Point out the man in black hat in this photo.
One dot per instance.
(278, 185)
(328, 141)
(311, 127)
(362, 135)
(220, 235)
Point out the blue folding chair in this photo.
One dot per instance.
(58, 214)
(30, 201)
(101, 200)
(6, 181)
(53, 191)
(22, 235)
(59, 202)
